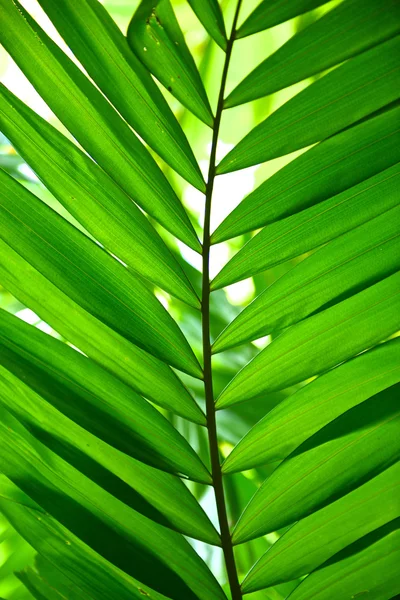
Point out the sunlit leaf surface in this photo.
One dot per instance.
(199, 299)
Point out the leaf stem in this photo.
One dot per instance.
(216, 472)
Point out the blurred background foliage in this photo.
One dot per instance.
(15, 553)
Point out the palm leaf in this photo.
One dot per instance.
(87, 571)
(89, 276)
(110, 469)
(106, 524)
(143, 372)
(115, 466)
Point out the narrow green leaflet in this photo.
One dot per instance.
(40, 589)
(273, 12)
(89, 574)
(365, 439)
(351, 28)
(315, 405)
(15, 553)
(155, 555)
(44, 571)
(92, 120)
(320, 342)
(93, 398)
(325, 170)
(313, 227)
(155, 36)
(90, 276)
(370, 565)
(210, 15)
(315, 539)
(107, 467)
(144, 373)
(92, 197)
(172, 504)
(10, 492)
(103, 50)
(350, 262)
(351, 92)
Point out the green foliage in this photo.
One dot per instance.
(155, 37)
(151, 445)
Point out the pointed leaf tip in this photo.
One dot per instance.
(155, 37)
